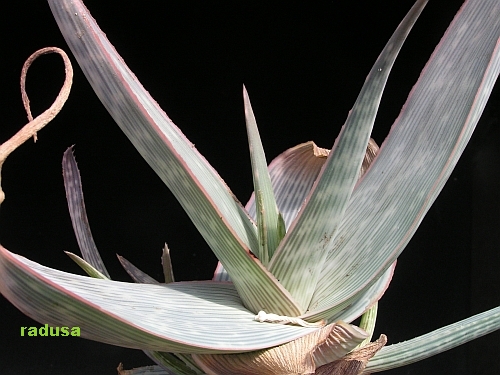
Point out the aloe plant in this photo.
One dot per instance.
(315, 299)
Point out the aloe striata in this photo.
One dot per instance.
(314, 248)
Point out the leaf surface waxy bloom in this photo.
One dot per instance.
(316, 244)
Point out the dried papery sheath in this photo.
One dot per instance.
(262, 317)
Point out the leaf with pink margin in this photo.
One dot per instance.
(183, 317)
(417, 157)
(216, 213)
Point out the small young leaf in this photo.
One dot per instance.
(267, 211)
(87, 267)
(135, 273)
(166, 262)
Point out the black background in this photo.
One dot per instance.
(303, 65)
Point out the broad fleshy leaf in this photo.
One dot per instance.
(438, 341)
(187, 317)
(216, 213)
(417, 157)
(363, 301)
(301, 255)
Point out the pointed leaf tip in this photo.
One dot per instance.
(267, 214)
(196, 185)
(302, 254)
(78, 213)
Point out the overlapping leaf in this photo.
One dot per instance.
(300, 356)
(218, 216)
(417, 157)
(188, 317)
(301, 255)
(267, 215)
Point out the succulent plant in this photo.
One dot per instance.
(315, 246)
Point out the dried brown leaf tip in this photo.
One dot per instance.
(355, 362)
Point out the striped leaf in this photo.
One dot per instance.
(169, 362)
(417, 157)
(187, 317)
(216, 213)
(438, 341)
(293, 173)
(78, 214)
(267, 215)
(353, 309)
(301, 255)
(135, 273)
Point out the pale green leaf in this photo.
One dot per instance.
(267, 215)
(417, 157)
(216, 213)
(188, 317)
(438, 341)
(293, 173)
(87, 267)
(170, 363)
(298, 261)
(367, 323)
(353, 309)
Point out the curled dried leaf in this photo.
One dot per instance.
(34, 125)
(355, 362)
(295, 357)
